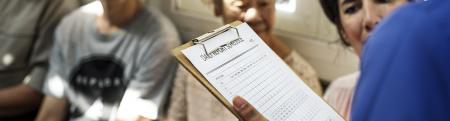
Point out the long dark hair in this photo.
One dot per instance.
(331, 9)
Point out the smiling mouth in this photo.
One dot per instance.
(365, 38)
(258, 27)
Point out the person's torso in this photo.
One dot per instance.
(18, 24)
(100, 66)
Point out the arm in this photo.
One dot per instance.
(52, 109)
(13, 101)
(25, 97)
(149, 89)
(54, 106)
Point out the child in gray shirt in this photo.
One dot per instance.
(114, 74)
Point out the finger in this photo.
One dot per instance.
(246, 110)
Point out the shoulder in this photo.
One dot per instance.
(416, 20)
(80, 15)
(417, 23)
(294, 58)
(347, 81)
(343, 86)
(77, 19)
(300, 65)
(156, 34)
(158, 28)
(168, 32)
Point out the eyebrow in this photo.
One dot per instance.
(347, 1)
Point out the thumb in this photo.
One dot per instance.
(246, 110)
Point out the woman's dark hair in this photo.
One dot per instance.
(331, 9)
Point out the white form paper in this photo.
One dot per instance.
(247, 67)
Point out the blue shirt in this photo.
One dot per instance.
(405, 66)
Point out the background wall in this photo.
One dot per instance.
(305, 29)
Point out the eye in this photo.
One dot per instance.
(350, 10)
(383, 1)
(263, 3)
(353, 8)
(240, 4)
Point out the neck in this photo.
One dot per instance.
(279, 47)
(114, 18)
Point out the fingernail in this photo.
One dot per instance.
(239, 103)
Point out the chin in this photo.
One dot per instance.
(264, 36)
(263, 33)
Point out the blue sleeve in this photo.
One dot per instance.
(405, 67)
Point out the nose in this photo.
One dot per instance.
(371, 18)
(370, 23)
(252, 16)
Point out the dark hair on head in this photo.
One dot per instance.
(331, 9)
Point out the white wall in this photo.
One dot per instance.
(306, 29)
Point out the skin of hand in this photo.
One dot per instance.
(52, 109)
(13, 102)
(140, 118)
(246, 111)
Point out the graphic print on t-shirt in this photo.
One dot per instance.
(98, 78)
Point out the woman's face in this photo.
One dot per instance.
(359, 18)
(259, 14)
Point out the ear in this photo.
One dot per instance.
(218, 7)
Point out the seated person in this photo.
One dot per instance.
(110, 64)
(191, 101)
(354, 29)
(26, 36)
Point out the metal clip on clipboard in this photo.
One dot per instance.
(213, 34)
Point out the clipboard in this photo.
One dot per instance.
(184, 61)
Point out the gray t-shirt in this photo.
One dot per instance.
(97, 72)
(26, 36)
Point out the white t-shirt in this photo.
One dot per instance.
(97, 72)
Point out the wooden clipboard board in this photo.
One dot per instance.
(184, 61)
